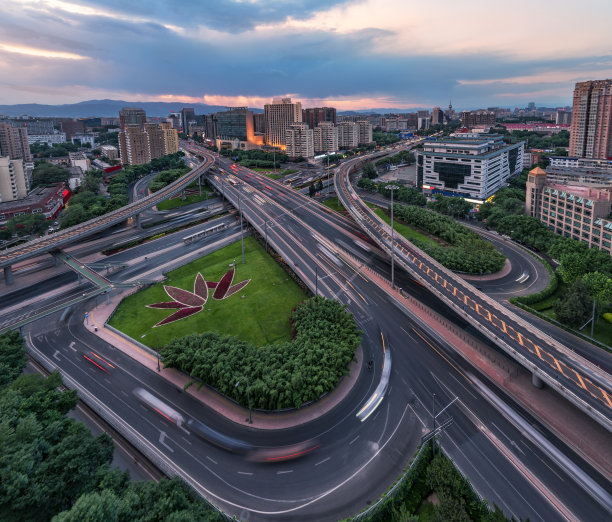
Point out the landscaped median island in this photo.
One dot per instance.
(451, 244)
(221, 321)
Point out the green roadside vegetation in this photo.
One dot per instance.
(261, 317)
(53, 468)
(334, 204)
(87, 202)
(192, 195)
(255, 158)
(456, 247)
(283, 375)
(408, 232)
(433, 490)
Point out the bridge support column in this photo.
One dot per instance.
(536, 381)
(79, 276)
(8, 275)
(137, 219)
(21, 331)
(183, 198)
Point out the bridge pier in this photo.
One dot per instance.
(8, 275)
(137, 219)
(183, 198)
(536, 381)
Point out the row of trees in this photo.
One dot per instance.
(404, 157)
(284, 375)
(586, 272)
(51, 467)
(46, 174)
(536, 140)
(255, 157)
(166, 177)
(24, 225)
(383, 139)
(467, 253)
(56, 150)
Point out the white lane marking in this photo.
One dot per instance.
(213, 461)
(56, 355)
(125, 394)
(285, 471)
(71, 345)
(512, 443)
(107, 380)
(354, 440)
(162, 436)
(244, 473)
(324, 460)
(187, 441)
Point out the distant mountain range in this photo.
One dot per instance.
(103, 108)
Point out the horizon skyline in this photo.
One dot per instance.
(349, 54)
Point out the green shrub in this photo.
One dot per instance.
(608, 317)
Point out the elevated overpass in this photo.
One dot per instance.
(67, 236)
(550, 362)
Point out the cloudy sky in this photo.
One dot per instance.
(352, 54)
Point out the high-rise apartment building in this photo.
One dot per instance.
(279, 115)
(437, 116)
(259, 123)
(591, 131)
(132, 116)
(171, 143)
(563, 117)
(187, 116)
(348, 135)
(235, 122)
(210, 126)
(134, 146)
(13, 180)
(364, 130)
(155, 135)
(326, 137)
(316, 115)
(14, 142)
(300, 141)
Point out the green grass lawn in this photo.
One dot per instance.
(408, 232)
(176, 201)
(334, 204)
(261, 317)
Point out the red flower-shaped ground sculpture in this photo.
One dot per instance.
(188, 303)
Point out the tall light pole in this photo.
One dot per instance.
(266, 233)
(248, 397)
(241, 232)
(392, 188)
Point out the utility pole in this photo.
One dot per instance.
(392, 188)
(241, 225)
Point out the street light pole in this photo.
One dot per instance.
(433, 414)
(248, 398)
(241, 225)
(157, 352)
(266, 233)
(392, 188)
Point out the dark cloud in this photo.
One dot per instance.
(147, 58)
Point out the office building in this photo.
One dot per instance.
(14, 142)
(56, 138)
(474, 167)
(259, 123)
(235, 122)
(187, 116)
(299, 141)
(134, 146)
(572, 210)
(364, 132)
(210, 126)
(14, 183)
(316, 115)
(70, 127)
(84, 138)
(437, 116)
(591, 130)
(471, 119)
(423, 123)
(132, 117)
(325, 137)
(279, 115)
(348, 135)
(34, 126)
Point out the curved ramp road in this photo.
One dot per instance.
(586, 385)
(70, 235)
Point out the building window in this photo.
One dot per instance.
(606, 244)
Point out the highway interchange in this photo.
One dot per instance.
(511, 460)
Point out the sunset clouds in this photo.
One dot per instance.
(352, 54)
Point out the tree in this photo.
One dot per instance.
(45, 174)
(12, 357)
(574, 308)
(366, 184)
(599, 287)
(369, 171)
(573, 266)
(312, 190)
